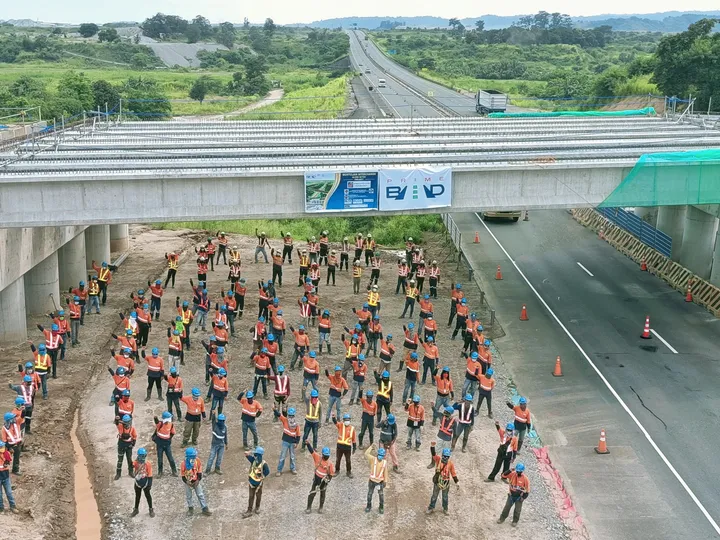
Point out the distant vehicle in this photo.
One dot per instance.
(490, 101)
(507, 214)
(381, 83)
(367, 71)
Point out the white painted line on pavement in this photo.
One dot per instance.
(609, 386)
(664, 342)
(589, 273)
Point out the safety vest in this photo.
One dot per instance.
(486, 383)
(42, 362)
(421, 271)
(223, 240)
(434, 272)
(27, 393)
(522, 416)
(385, 388)
(291, 432)
(357, 271)
(369, 244)
(288, 241)
(234, 255)
(447, 424)
(304, 260)
(75, 311)
(175, 343)
(466, 413)
(165, 430)
(313, 411)
(377, 470)
(323, 469)
(220, 383)
(385, 348)
(373, 298)
(126, 407)
(403, 270)
(172, 263)
(315, 273)
(52, 341)
(13, 435)
(345, 247)
(94, 288)
(324, 323)
(346, 434)
(359, 243)
(277, 259)
(333, 261)
(281, 385)
(143, 316)
(416, 257)
(352, 351)
(186, 316)
(375, 263)
(411, 292)
(311, 366)
(104, 274)
(416, 413)
(444, 386)
(304, 310)
(314, 247)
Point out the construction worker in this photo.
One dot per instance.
(29, 370)
(25, 399)
(6, 459)
(434, 276)
(485, 355)
(420, 273)
(519, 491)
(93, 296)
(359, 243)
(523, 419)
(332, 264)
(81, 291)
(314, 248)
(369, 248)
(368, 417)
(388, 439)
(53, 343)
(194, 413)
(221, 246)
(313, 300)
(410, 344)
(314, 274)
(402, 274)
(259, 469)
(277, 270)
(446, 431)
(412, 376)
(411, 296)
(385, 393)
(203, 306)
(262, 370)
(127, 436)
(311, 371)
(324, 248)
(387, 351)
(466, 421)
(162, 437)
(379, 477)
(360, 369)
(220, 389)
(290, 437)
(304, 266)
(324, 472)
(12, 436)
(302, 345)
(338, 389)
(486, 385)
(218, 444)
(375, 263)
(43, 363)
(345, 253)
(444, 470)
(234, 273)
(175, 343)
(431, 358)
(251, 410)
(346, 443)
(191, 473)
(75, 315)
(426, 308)
(415, 422)
(174, 392)
(506, 452)
(262, 243)
(155, 372)
(143, 475)
(456, 296)
(287, 246)
(122, 383)
(415, 261)
(124, 406)
(240, 289)
(445, 392)
(104, 272)
(324, 328)
(313, 409)
(234, 258)
(472, 372)
(173, 261)
(357, 276)
(462, 312)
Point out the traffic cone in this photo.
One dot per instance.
(602, 448)
(601, 233)
(523, 314)
(646, 330)
(477, 238)
(527, 216)
(688, 294)
(643, 265)
(557, 372)
(498, 274)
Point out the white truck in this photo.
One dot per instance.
(490, 101)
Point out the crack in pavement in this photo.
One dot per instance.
(648, 409)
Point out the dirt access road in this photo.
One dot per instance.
(46, 487)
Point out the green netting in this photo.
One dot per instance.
(673, 178)
(631, 112)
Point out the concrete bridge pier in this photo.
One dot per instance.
(698, 241)
(119, 238)
(42, 281)
(671, 221)
(12, 312)
(71, 259)
(97, 244)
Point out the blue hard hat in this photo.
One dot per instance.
(276, 301)
(269, 282)
(391, 419)
(129, 332)
(264, 350)
(446, 452)
(474, 356)
(104, 264)
(510, 427)
(220, 350)
(338, 368)
(195, 392)
(369, 393)
(61, 313)
(261, 319)
(312, 354)
(191, 453)
(271, 337)
(55, 328)
(361, 357)
(381, 453)
(308, 280)
(41, 348)
(376, 318)
(449, 410)
(413, 354)
(426, 297)
(487, 343)
(176, 332)
(366, 305)
(259, 451)
(430, 339)
(28, 365)
(358, 327)
(279, 312)
(250, 394)
(221, 417)
(142, 452)
(468, 397)
(220, 323)
(346, 416)
(386, 374)
(9, 416)
(120, 370)
(473, 315)
(82, 283)
(304, 298)
(314, 393)
(489, 372)
(126, 418)
(326, 312)
(173, 370)
(519, 467)
(76, 298)
(458, 286)
(446, 369)
(389, 336)
(126, 392)
(27, 378)
(480, 327)
(166, 415)
(19, 401)
(145, 306)
(463, 301)
(522, 401)
(141, 292)
(204, 291)
(411, 326)
(155, 351)
(301, 328)
(229, 293)
(179, 318)
(291, 411)
(158, 282)
(186, 303)
(222, 372)
(416, 399)
(326, 452)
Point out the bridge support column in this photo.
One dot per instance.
(649, 214)
(13, 326)
(71, 260)
(698, 242)
(119, 238)
(671, 221)
(42, 281)
(97, 244)
(715, 272)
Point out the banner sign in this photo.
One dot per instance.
(411, 189)
(334, 191)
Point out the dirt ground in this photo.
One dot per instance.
(44, 491)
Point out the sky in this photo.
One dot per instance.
(303, 11)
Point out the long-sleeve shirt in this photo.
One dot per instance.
(219, 434)
(378, 467)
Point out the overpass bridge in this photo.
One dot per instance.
(130, 172)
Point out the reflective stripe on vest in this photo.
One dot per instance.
(377, 470)
(42, 361)
(313, 411)
(446, 425)
(384, 390)
(346, 435)
(256, 471)
(281, 385)
(12, 435)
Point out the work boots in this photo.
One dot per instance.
(329, 348)
(118, 473)
(159, 393)
(400, 367)
(147, 396)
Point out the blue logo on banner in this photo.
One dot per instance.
(397, 193)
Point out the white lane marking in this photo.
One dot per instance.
(609, 387)
(664, 342)
(589, 273)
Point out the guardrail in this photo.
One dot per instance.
(453, 233)
(645, 232)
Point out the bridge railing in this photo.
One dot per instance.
(646, 233)
(455, 236)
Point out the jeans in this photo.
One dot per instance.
(435, 493)
(259, 250)
(200, 319)
(6, 486)
(371, 489)
(414, 432)
(93, 301)
(409, 303)
(357, 390)
(428, 367)
(409, 389)
(217, 451)
(43, 384)
(217, 402)
(165, 449)
(75, 329)
(334, 401)
(440, 403)
(287, 447)
(469, 387)
(155, 306)
(197, 489)
(311, 427)
(253, 429)
(310, 380)
(367, 424)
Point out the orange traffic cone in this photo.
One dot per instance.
(557, 372)
(498, 274)
(477, 238)
(688, 294)
(646, 330)
(602, 448)
(523, 314)
(643, 265)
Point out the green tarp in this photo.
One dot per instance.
(647, 111)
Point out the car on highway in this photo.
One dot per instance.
(367, 71)
(381, 83)
(505, 214)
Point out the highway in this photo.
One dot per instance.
(656, 398)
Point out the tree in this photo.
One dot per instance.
(57, 31)
(560, 20)
(269, 26)
(198, 91)
(609, 82)
(566, 83)
(426, 63)
(109, 35)
(105, 93)
(246, 23)
(76, 86)
(479, 25)
(144, 99)
(88, 29)
(226, 34)
(203, 26)
(192, 34)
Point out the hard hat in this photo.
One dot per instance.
(250, 394)
(474, 356)
(142, 452)
(487, 343)
(413, 355)
(178, 318)
(446, 369)
(312, 238)
(288, 234)
(269, 282)
(326, 452)
(345, 239)
(196, 392)
(82, 283)
(158, 282)
(155, 351)
(261, 319)
(361, 357)
(366, 305)
(275, 300)
(519, 467)
(55, 328)
(430, 315)
(404, 261)
(326, 312)
(489, 372)
(120, 370)
(126, 418)
(191, 453)
(104, 264)
(222, 372)
(480, 328)
(523, 401)
(434, 262)
(129, 332)
(166, 415)
(430, 339)
(291, 411)
(301, 328)
(304, 298)
(61, 313)
(369, 393)
(27, 378)
(463, 301)
(510, 427)
(221, 417)
(426, 297)
(391, 419)
(222, 233)
(449, 410)
(376, 317)
(381, 453)
(312, 354)
(446, 452)
(41, 348)
(220, 324)
(314, 393)
(369, 235)
(19, 401)
(280, 312)
(416, 399)
(186, 303)
(173, 370)
(28, 365)
(145, 306)
(388, 337)
(263, 350)
(358, 327)
(386, 374)
(126, 392)
(9, 416)
(458, 286)
(468, 397)
(281, 369)
(176, 332)
(346, 416)
(338, 368)
(230, 294)
(410, 239)
(259, 451)
(411, 326)
(412, 281)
